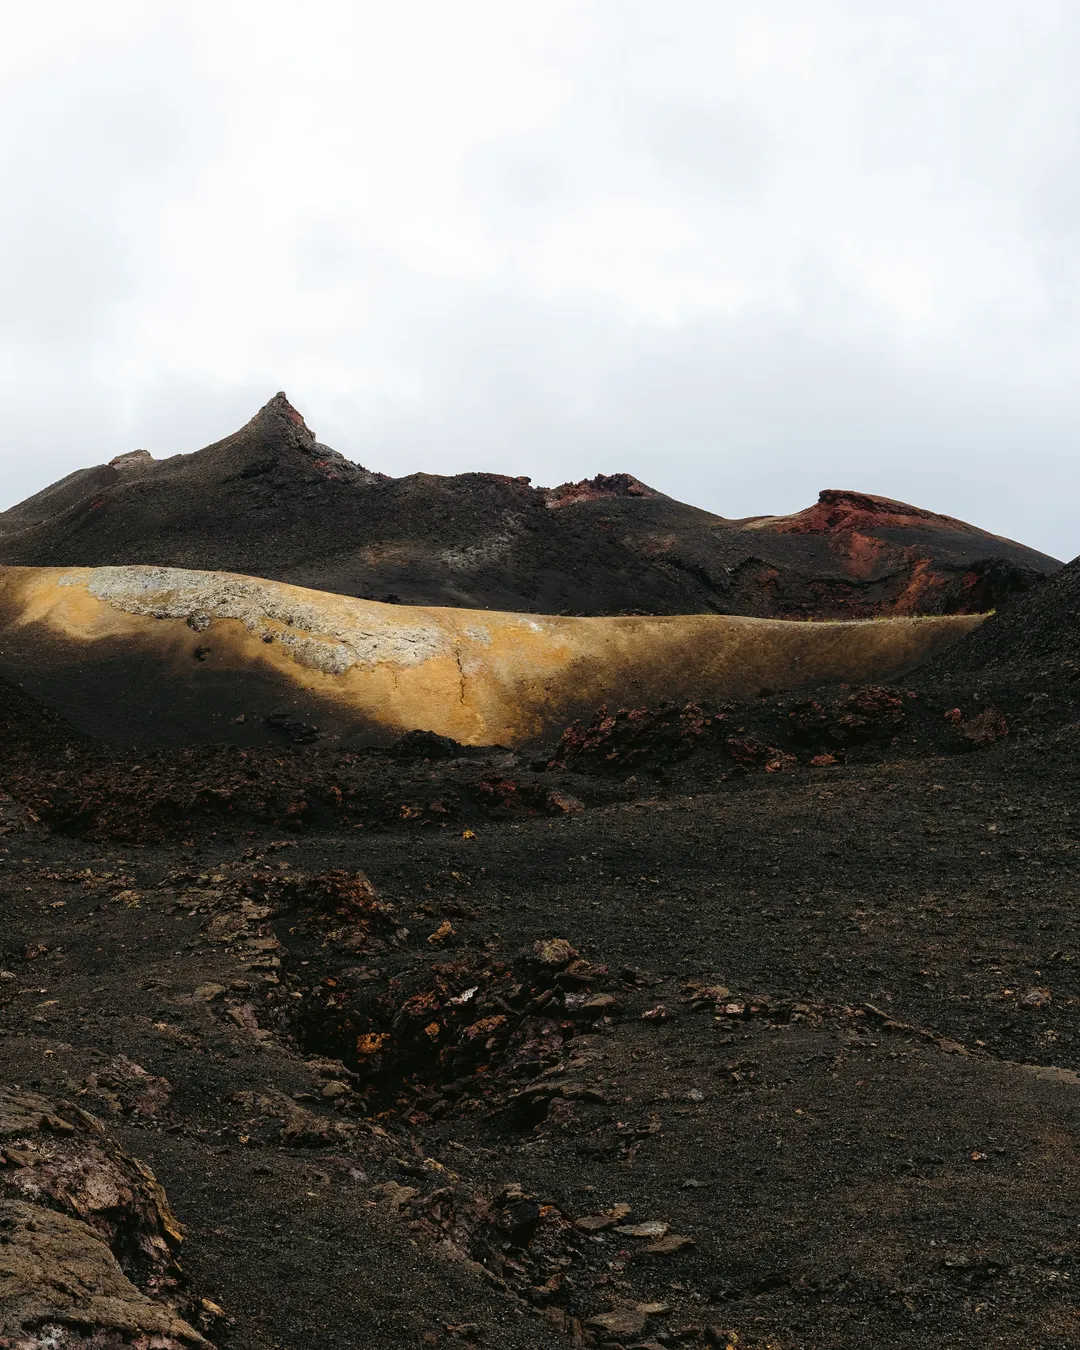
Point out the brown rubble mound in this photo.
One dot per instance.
(1024, 659)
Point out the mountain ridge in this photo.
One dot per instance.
(271, 500)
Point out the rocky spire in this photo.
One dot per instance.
(277, 418)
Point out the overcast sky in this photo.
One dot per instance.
(743, 250)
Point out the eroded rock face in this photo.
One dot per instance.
(604, 487)
(61, 1287)
(134, 459)
(87, 1239)
(837, 512)
(902, 559)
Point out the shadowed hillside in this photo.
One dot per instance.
(162, 655)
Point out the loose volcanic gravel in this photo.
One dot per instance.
(785, 1059)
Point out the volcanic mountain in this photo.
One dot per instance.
(745, 1022)
(271, 501)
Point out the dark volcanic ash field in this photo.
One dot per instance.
(748, 1026)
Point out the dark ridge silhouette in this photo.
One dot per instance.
(271, 501)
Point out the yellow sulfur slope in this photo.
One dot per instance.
(478, 676)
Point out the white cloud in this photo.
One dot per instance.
(745, 251)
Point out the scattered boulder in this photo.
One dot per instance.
(125, 1087)
(426, 745)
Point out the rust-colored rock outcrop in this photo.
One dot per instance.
(87, 1239)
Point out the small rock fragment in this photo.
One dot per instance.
(597, 1223)
(393, 1196)
(127, 1087)
(554, 953)
(673, 1242)
(700, 994)
(588, 1008)
(653, 1228)
(619, 1322)
(14, 817)
(562, 803)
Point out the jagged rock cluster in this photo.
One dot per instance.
(87, 1239)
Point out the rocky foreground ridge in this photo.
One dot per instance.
(88, 1243)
